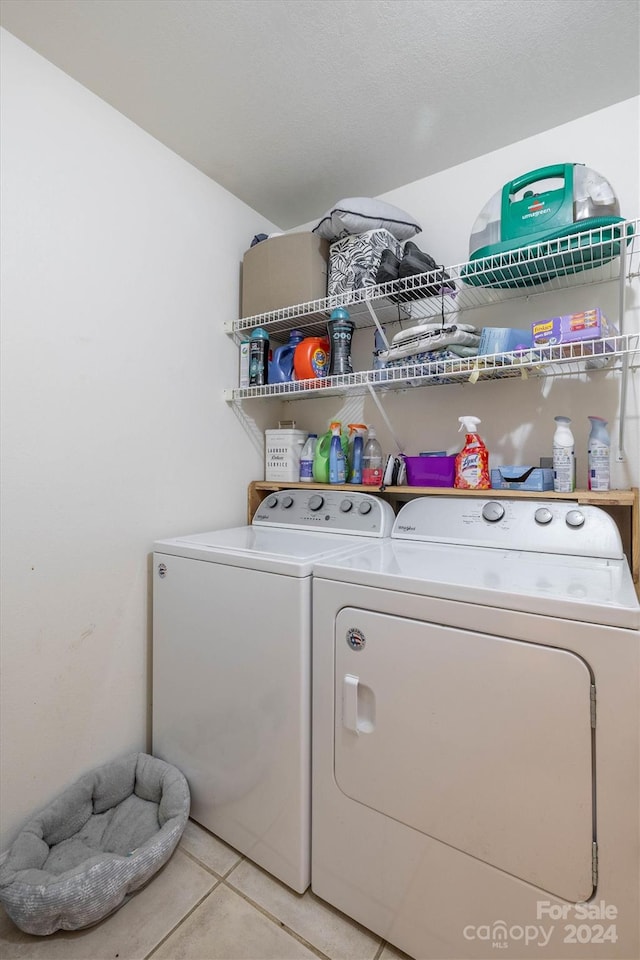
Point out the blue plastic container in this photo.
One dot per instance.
(281, 363)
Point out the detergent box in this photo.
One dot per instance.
(572, 328)
(522, 478)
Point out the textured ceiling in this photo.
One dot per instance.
(293, 104)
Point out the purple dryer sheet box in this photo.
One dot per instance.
(573, 327)
(522, 478)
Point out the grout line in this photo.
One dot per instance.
(205, 866)
(222, 879)
(183, 918)
(278, 923)
(231, 869)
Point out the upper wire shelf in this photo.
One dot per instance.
(568, 360)
(583, 258)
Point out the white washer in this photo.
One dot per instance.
(476, 733)
(231, 667)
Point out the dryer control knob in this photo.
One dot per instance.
(345, 506)
(543, 515)
(287, 502)
(364, 508)
(315, 502)
(575, 518)
(271, 502)
(493, 511)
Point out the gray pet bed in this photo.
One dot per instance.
(97, 843)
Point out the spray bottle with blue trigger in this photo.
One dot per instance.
(357, 447)
(337, 467)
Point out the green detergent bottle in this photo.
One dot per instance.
(321, 456)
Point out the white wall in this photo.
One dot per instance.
(120, 264)
(517, 416)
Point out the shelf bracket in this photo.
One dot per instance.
(384, 416)
(622, 291)
(379, 326)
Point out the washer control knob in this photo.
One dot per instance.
(543, 515)
(493, 511)
(287, 502)
(575, 518)
(315, 502)
(345, 506)
(271, 502)
(364, 508)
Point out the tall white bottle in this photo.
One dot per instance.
(564, 457)
(598, 453)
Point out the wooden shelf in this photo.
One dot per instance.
(623, 505)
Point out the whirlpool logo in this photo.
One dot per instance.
(356, 639)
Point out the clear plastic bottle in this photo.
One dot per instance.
(564, 457)
(372, 464)
(306, 458)
(598, 455)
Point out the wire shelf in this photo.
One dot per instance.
(560, 360)
(583, 258)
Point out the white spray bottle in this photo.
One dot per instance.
(598, 454)
(564, 457)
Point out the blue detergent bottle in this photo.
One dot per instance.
(337, 467)
(281, 364)
(360, 430)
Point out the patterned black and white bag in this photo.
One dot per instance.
(354, 261)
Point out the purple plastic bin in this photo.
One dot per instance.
(430, 471)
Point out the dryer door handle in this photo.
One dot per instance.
(358, 705)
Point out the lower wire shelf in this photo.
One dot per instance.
(558, 360)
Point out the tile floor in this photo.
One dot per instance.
(208, 903)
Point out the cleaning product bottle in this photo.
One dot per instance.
(311, 358)
(306, 458)
(564, 457)
(372, 461)
(321, 456)
(244, 364)
(357, 447)
(337, 471)
(258, 358)
(281, 364)
(598, 454)
(472, 463)
(340, 332)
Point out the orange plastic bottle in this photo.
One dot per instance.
(472, 463)
(311, 358)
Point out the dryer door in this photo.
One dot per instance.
(479, 741)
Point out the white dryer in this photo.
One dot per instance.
(476, 733)
(231, 667)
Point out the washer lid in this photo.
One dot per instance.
(589, 589)
(289, 552)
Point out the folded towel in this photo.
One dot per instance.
(433, 340)
(460, 351)
(421, 329)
